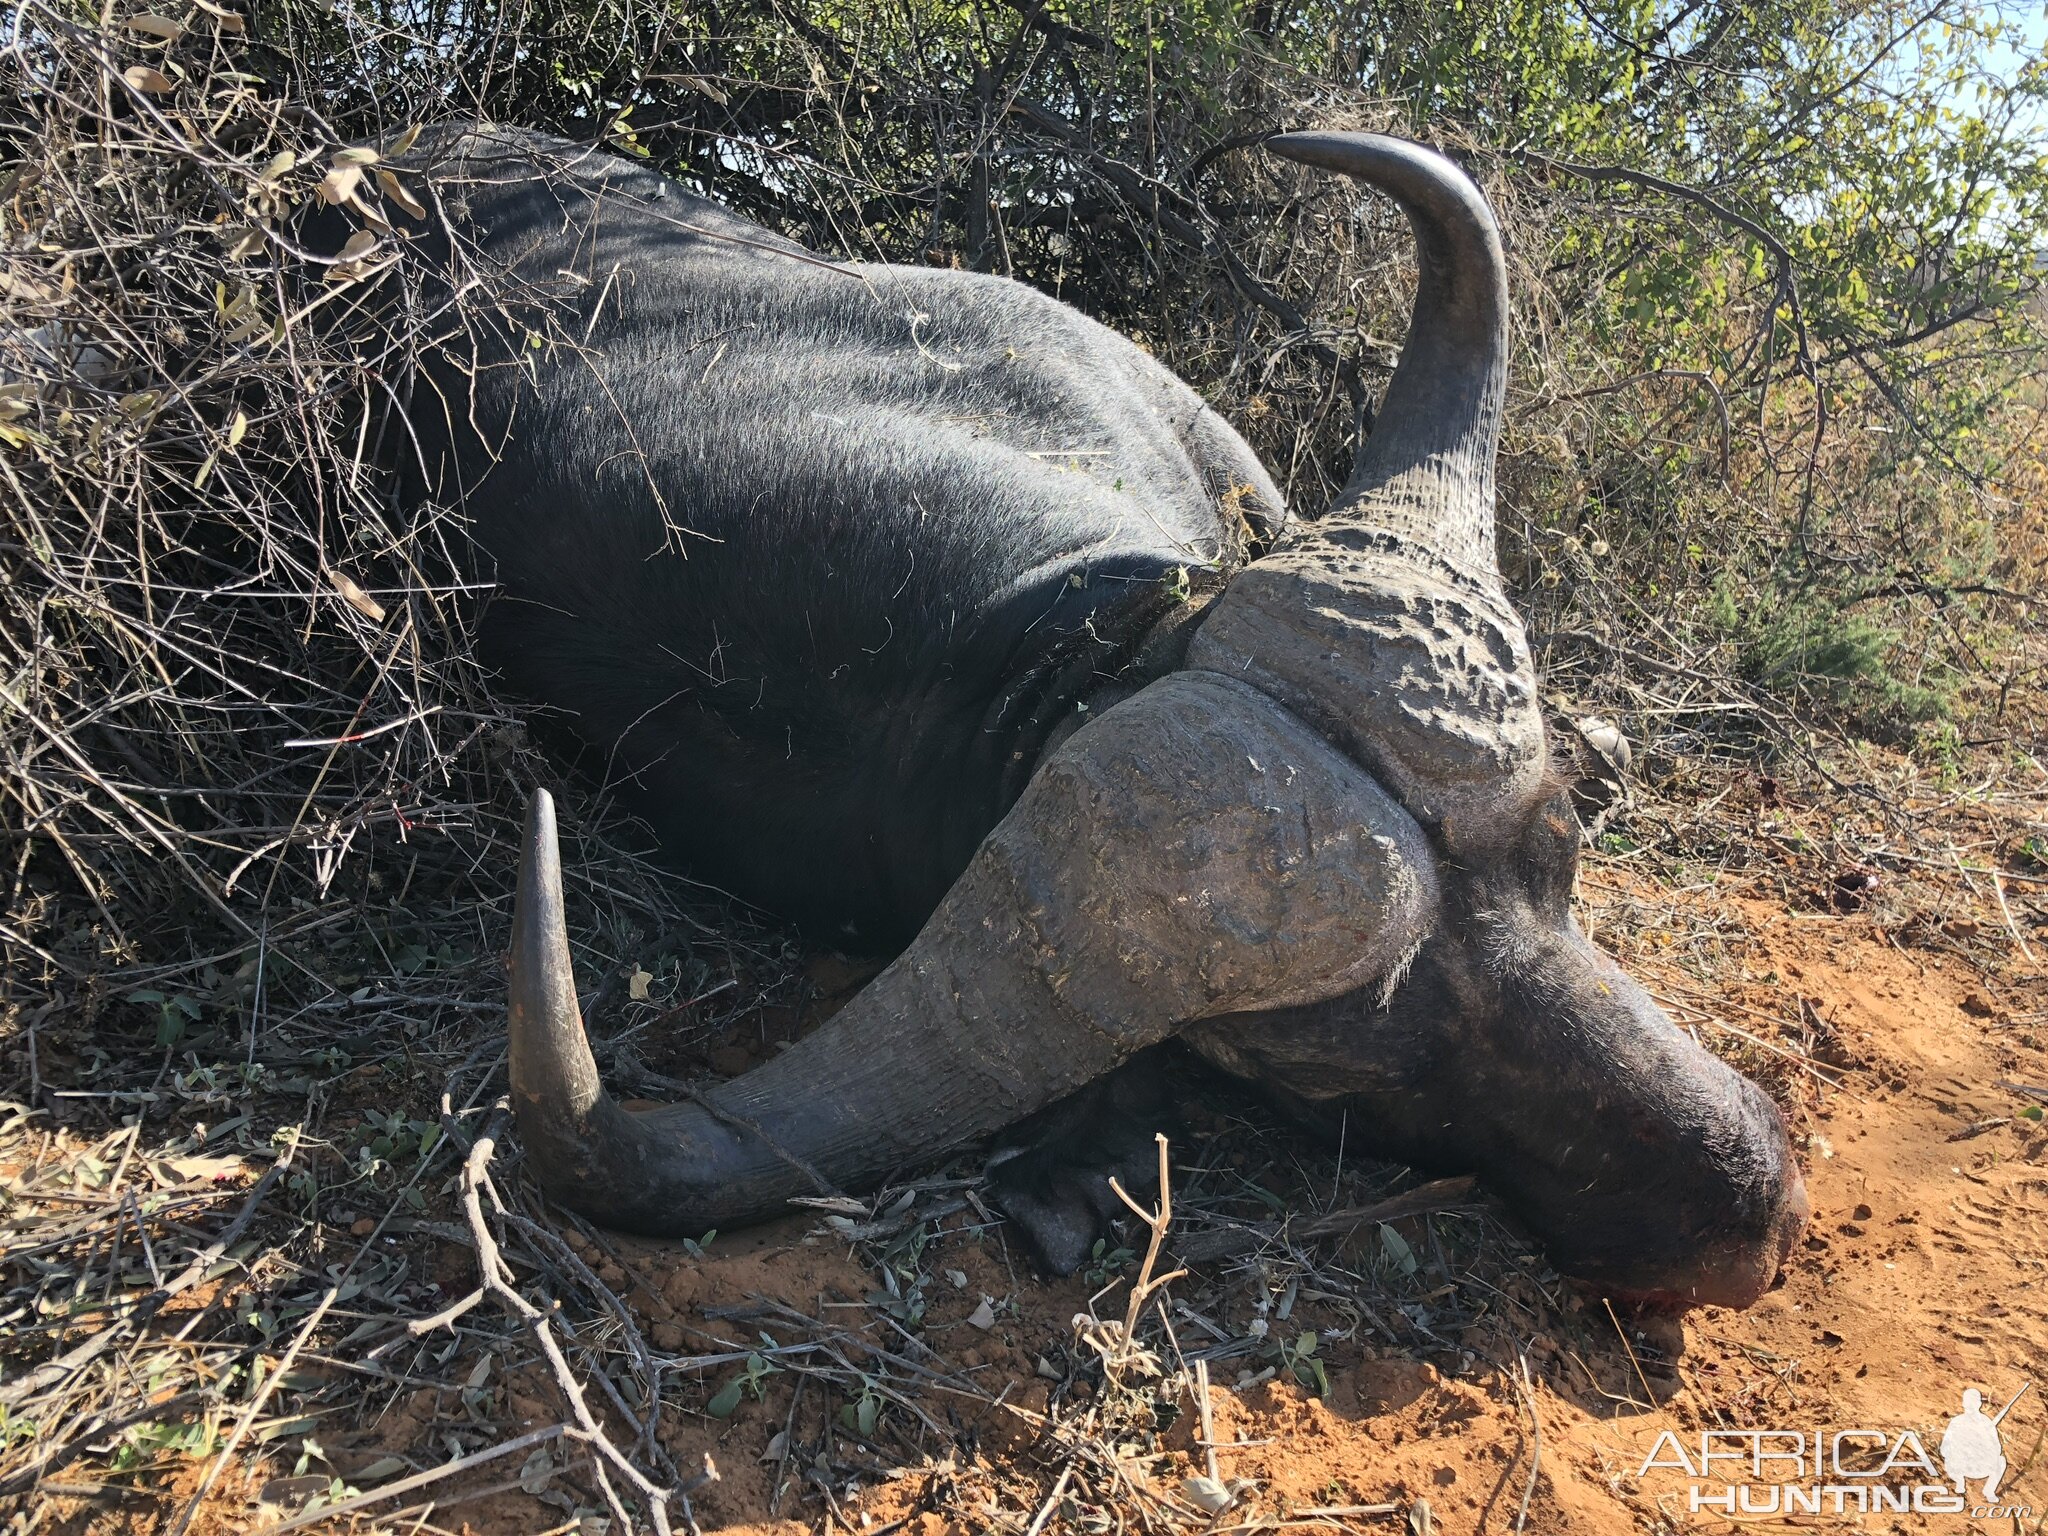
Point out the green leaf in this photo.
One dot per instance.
(727, 1399)
(1310, 1374)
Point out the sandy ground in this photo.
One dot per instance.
(1925, 1273)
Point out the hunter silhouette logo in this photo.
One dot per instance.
(1842, 1471)
(1971, 1447)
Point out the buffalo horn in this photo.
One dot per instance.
(1384, 622)
(1194, 851)
(1424, 474)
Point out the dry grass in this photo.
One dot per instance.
(261, 801)
(172, 1295)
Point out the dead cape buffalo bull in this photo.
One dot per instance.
(919, 608)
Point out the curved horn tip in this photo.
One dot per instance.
(537, 918)
(1327, 146)
(1353, 150)
(1401, 167)
(1427, 467)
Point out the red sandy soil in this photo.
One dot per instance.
(1925, 1272)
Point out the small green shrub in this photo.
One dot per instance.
(1808, 641)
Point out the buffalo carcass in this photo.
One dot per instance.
(919, 608)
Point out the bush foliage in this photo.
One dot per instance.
(1772, 417)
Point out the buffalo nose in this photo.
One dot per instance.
(1736, 1267)
(1794, 1214)
(1750, 1268)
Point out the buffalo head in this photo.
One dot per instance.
(1325, 850)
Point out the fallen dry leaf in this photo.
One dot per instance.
(206, 1168)
(339, 184)
(150, 24)
(356, 597)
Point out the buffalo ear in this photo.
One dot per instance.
(1052, 1176)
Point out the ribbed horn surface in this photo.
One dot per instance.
(1384, 622)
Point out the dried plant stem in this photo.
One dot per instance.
(2011, 927)
(1157, 1221)
(1052, 1500)
(1525, 1388)
(278, 1372)
(1208, 1420)
(44, 1376)
(497, 1279)
(422, 1479)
